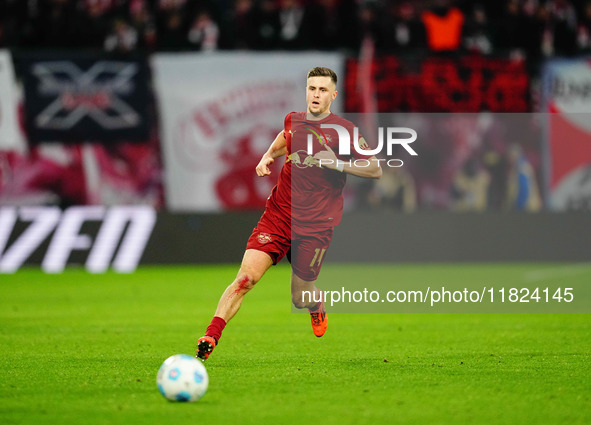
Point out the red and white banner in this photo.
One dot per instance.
(10, 136)
(567, 95)
(74, 173)
(218, 115)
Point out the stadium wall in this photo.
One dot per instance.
(388, 237)
(456, 237)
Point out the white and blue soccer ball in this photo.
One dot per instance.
(182, 378)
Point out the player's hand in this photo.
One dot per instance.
(328, 158)
(263, 167)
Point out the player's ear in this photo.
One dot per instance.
(334, 95)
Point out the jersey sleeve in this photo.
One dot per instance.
(287, 125)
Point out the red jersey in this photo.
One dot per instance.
(305, 193)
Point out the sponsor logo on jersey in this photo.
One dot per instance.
(302, 160)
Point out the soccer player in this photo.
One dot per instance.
(303, 208)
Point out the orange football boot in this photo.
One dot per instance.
(205, 346)
(319, 319)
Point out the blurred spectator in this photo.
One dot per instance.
(496, 166)
(368, 21)
(243, 26)
(512, 29)
(172, 34)
(522, 187)
(477, 32)
(394, 190)
(544, 31)
(93, 23)
(292, 28)
(170, 5)
(444, 25)
(401, 30)
(267, 25)
(171, 25)
(335, 24)
(470, 187)
(204, 33)
(564, 27)
(141, 19)
(584, 30)
(122, 38)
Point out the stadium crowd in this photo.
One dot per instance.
(499, 177)
(538, 28)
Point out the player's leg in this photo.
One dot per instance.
(305, 294)
(307, 255)
(254, 265)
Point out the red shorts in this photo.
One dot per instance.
(305, 247)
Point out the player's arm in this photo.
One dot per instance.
(328, 159)
(371, 171)
(278, 148)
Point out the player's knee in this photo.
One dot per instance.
(245, 282)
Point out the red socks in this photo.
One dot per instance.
(215, 328)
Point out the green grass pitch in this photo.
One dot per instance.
(77, 348)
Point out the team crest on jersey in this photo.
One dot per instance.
(264, 238)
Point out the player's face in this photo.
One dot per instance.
(320, 92)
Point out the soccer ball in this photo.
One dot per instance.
(182, 378)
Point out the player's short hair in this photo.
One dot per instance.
(320, 71)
